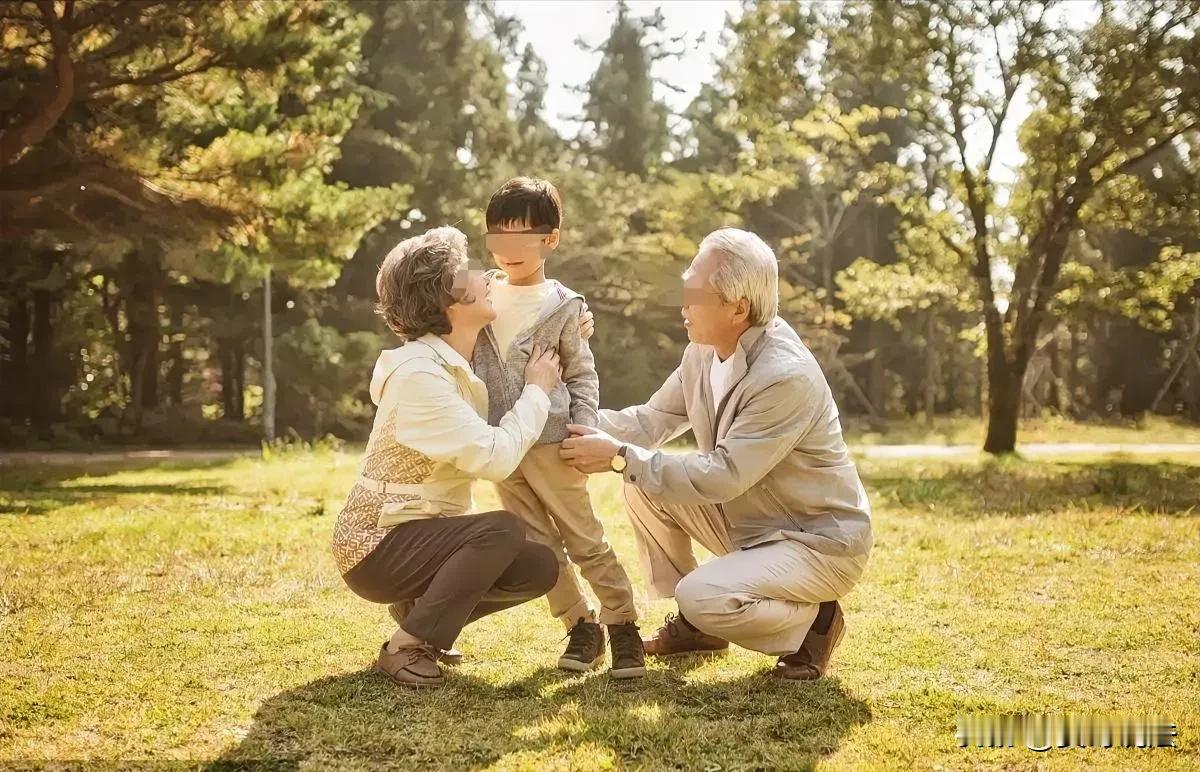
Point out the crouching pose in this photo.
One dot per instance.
(404, 537)
(771, 490)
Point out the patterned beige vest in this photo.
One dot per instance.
(357, 531)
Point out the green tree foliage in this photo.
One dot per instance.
(439, 117)
(1110, 95)
(628, 125)
(159, 159)
(190, 150)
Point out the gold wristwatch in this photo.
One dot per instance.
(618, 462)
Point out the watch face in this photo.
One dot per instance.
(618, 463)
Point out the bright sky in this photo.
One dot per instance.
(553, 26)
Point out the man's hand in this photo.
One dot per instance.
(589, 450)
(587, 324)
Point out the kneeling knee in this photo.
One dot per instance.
(700, 602)
(543, 567)
(507, 526)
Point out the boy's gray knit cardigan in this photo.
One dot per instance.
(576, 400)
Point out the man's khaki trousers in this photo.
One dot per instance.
(763, 598)
(552, 498)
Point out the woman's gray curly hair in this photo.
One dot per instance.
(416, 282)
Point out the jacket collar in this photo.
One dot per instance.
(746, 345)
(741, 353)
(445, 351)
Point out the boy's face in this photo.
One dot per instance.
(519, 250)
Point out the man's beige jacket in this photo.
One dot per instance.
(770, 454)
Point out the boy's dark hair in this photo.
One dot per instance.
(416, 282)
(534, 201)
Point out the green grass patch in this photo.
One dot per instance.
(192, 612)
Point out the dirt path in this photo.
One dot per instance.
(1033, 449)
(66, 458)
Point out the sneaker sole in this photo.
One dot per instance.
(575, 666)
(628, 672)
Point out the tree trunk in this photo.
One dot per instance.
(175, 353)
(931, 366)
(43, 386)
(1054, 395)
(1004, 410)
(877, 333)
(239, 378)
(14, 385)
(1073, 374)
(268, 364)
(233, 380)
(110, 301)
(141, 309)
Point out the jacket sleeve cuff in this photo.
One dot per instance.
(636, 462)
(538, 396)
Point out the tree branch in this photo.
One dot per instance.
(164, 74)
(1147, 153)
(60, 77)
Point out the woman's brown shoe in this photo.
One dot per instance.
(416, 666)
(812, 660)
(399, 611)
(676, 636)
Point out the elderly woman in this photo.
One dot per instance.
(403, 536)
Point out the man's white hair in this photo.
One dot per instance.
(748, 269)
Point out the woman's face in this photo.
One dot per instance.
(475, 309)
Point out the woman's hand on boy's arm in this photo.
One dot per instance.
(587, 324)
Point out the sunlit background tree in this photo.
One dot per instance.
(196, 195)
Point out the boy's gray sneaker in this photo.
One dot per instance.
(585, 647)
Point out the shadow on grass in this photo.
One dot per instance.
(47, 500)
(1015, 487)
(26, 490)
(664, 720)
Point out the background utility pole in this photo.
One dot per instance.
(268, 364)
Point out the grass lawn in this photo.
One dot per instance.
(192, 612)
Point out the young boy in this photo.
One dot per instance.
(523, 221)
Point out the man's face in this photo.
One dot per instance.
(518, 250)
(709, 320)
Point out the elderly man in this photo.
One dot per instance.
(771, 490)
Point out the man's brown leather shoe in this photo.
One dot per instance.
(399, 611)
(812, 660)
(676, 636)
(415, 666)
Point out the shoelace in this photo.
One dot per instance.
(428, 650)
(671, 624)
(580, 634)
(626, 643)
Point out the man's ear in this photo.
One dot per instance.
(743, 309)
(552, 239)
